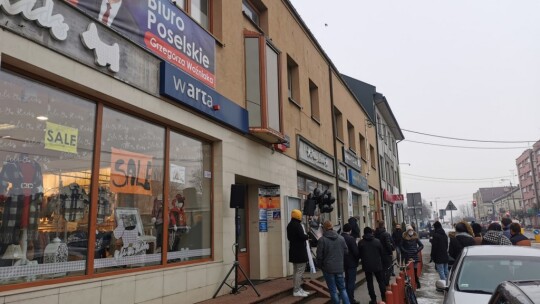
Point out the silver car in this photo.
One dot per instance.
(479, 270)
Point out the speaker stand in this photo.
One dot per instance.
(235, 289)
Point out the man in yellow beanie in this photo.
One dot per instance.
(297, 251)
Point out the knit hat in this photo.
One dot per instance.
(347, 227)
(296, 214)
(409, 227)
(328, 225)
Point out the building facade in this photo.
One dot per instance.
(485, 209)
(132, 136)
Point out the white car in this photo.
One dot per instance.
(479, 270)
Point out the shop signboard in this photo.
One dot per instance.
(313, 156)
(184, 89)
(163, 29)
(357, 180)
(351, 159)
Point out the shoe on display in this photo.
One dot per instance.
(305, 292)
(299, 294)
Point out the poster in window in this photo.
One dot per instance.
(178, 174)
(130, 172)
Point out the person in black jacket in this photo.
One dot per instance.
(297, 251)
(371, 252)
(388, 249)
(439, 250)
(461, 240)
(397, 236)
(355, 229)
(410, 247)
(350, 262)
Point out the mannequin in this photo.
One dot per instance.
(157, 220)
(177, 220)
(21, 188)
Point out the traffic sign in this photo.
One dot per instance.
(451, 206)
(536, 231)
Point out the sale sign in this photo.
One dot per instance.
(130, 172)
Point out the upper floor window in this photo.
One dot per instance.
(292, 81)
(372, 158)
(352, 136)
(338, 117)
(262, 83)
(197, 9)
(379, 126)
(363, 149)
(251, 12)
(314, 100)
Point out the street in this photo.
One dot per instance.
(427, 294)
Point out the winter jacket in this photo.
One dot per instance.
(297, 242)
(397, 236)
(355, 232)
(460, 241)
(520, 240)
(506, 232)
(351, 259)
(439, 247)
(493, 237)
(386, 240)
(411, 246)
(331, 249)
(371, 251)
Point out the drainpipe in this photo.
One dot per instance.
(334, 137)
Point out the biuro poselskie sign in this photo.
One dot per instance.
(162, 28)
(131, 172)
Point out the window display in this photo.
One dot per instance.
(46, 147)
(132, 156)
(190, 216)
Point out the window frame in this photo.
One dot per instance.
(314, 102)
(351, 134)
(188, 10)
(263, 43)
(338, 117)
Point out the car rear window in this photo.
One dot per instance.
(484, 273)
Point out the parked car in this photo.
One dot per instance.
(517, 292)
(479, 269)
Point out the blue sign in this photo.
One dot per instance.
(536, 231)
(182, 88)
(357, 180)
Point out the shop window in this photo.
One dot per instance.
(46, 148)
(352, 136)
(293, 83)
(262, 88)
(339, 124)
(190, 216)
(132, 168)
(314, 101)
(199, 10)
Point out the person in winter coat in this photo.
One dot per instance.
(477, 230)
(506, 221)
(355, 228)
(388, 249)
(463, 238)
(410, 247)
(439, 250)
(517, 238)
(350, 262)
(495, 236)
(371, 252)
(331, 250)
(397, 235)
(297, 251)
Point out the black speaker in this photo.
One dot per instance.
(238, 196)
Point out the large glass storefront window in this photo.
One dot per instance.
(46, 149)
(190, 217)
(131, 184)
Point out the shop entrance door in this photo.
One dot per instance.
(243, 251)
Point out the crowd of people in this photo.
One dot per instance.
(447, 248)
(339, 255)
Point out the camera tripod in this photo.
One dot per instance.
(235, 289)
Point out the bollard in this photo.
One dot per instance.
(410, 273)
(395, 292)
(420, 263)
(389, 297)
(400, 290)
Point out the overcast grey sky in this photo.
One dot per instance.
(458, 68)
